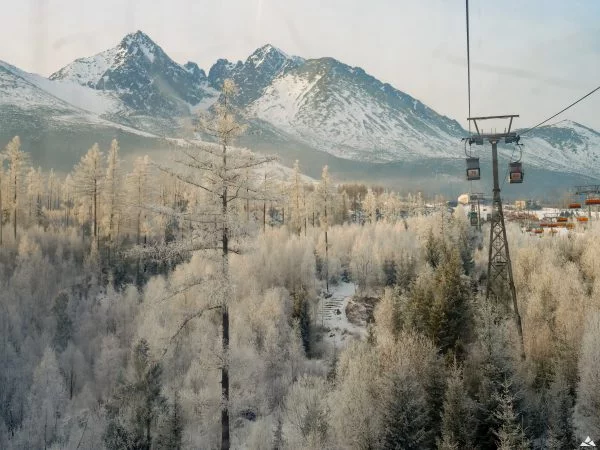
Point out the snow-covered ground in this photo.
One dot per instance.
(339, 331)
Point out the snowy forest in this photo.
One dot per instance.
(183, 305)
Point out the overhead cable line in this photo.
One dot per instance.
(468, 64)
(561, 111)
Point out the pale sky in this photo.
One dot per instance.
(529, 57)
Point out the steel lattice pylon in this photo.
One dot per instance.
(500, 280)
(500, 283)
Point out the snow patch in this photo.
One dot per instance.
(339, 331)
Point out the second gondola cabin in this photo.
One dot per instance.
(473, 170)
(515, 172)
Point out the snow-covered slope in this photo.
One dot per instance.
(346, 112)
(566, 146)
(58, 121)
(31, 90)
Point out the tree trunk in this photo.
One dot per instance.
(326, 252)
(95, 214)
(225, 316)
(71, 383)
(148, 437)
(1, 211)
(15, 210)
(326, 263)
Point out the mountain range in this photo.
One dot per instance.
(320, 111)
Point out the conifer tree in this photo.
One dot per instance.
(138, 406)
(172, 433)
(458, 420)
(64, 324)
(560, 413)
(510, 434)
(406, 417)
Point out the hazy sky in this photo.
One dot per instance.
(529, 57)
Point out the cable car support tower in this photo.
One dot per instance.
(500, 282)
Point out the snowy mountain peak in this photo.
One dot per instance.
(273, 56)
(141, 42)
(146, 79)
(138, 37)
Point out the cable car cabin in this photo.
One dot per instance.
(538, 231)
(473, 219)
(592, 201)
(473, 170)
(582, 219)
(574, 205)
(515, 172)
(562, 219)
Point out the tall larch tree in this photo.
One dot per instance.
(88, 182)
(220, 172)
(295, 198)
(112, 196)
(370, 206)
(17, 163)
(140, 192)
(325, 194)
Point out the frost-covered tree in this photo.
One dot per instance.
(296, 209)
(113, 195)
(370, 206)
(587, 407)
(67, 199)
(139, 188)
(324, 195)
(34, 189)
(406, 417)
(138, 407)
(306, 413)
(64, 324)
(88, 183)
(18, 161)
(458, 419)
(222, 176)
(171, 435)
(46, 402)
(510, 434)
(2, 191)
(560, 433)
